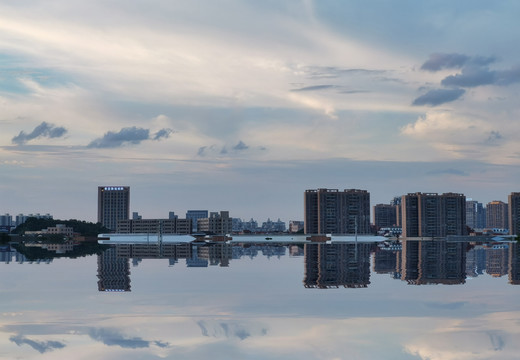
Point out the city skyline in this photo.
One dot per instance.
(243, 105)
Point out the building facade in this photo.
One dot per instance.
(330, 211)
(154, 226)
(216, 223)
(514, 213)
(497, 215)
(194, 215)
(475, 214)
(433, 215)
(385, 215)
(113, 205)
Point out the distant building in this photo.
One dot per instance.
(514, 213)
(21, 218)
(396, 201)
(113, 205)
(475, 215)
(330, 211)
(194, 215)
(273, 226)
(295, 226)
(497, 215)
(59, 229)
(6, 220)
(431, 214)
(216, 223)
(153, 226)
(385, 215)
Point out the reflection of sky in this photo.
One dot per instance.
(255, 308)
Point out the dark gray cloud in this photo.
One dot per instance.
(494, 136)
(202, 151)
(129, 135)
(240, 146)
(439, 61)
(114, 338)
(474, 72)
(43, 130)
(40, 346)
(471, 76)
(163, 133)
(228, 330)
(497, 340)
(439, 96)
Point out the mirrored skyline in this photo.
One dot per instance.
(279, 302)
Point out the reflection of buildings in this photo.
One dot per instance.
(113, 271)
(113, 205)
(475, 261)
(497, 260)
(7, 253)
(330, 211)
(334, 265)
(514, 264)
(433, 262)
(431, 214)
(385, 215)
(387, 262)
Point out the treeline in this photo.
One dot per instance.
(81, 250)
(83, 227)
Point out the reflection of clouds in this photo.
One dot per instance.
(491, 336)
(40, 346)
(289, 337)
(114, 338)
(221, 329)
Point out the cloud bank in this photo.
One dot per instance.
(474, 72)
(130, 135)
(44, 130)
(40, 346)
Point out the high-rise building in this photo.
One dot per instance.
(496, 215)
(475, 214)
(431, 214)
(113, 205)
(330, 211)
(514, 213)
(194, 215)
(385, 215)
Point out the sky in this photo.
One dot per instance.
(243, 105)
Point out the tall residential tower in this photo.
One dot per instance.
(330, 211)
(431, 214)
(514, 213)
(113, 205)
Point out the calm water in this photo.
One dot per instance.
(428, 300)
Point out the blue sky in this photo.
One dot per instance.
(242, 105)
